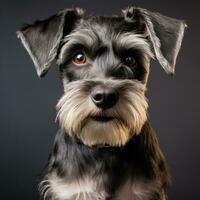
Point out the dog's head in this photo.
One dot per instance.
(104, 64)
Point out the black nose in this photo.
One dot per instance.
(104, 98)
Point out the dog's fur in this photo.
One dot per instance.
(119, 158)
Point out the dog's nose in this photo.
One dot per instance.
(104, 98)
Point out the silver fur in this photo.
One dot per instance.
(76, 108)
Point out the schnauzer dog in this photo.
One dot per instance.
(106, 148)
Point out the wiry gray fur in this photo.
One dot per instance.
(97, 141)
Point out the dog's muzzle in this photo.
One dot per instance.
(103, 111)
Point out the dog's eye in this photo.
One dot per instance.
(129, 61)
(79, 58)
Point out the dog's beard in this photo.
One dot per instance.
(77, 113)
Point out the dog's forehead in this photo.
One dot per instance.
(105, 27)
(113, 23)
(100, 33)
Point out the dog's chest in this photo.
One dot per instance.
(93, 189)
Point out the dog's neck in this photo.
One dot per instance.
(140, 157)
(105, 171)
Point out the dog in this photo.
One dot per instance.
(106, 148)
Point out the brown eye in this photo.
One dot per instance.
(129, 61)
(80, 58)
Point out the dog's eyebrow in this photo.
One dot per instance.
(128, 41)
(82, 38)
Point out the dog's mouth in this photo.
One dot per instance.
(103, 118)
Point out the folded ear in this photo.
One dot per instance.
(42, 39)
(165, 33)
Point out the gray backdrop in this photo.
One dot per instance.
(27, 126)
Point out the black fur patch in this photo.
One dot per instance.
(140, 157)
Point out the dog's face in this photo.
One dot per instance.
(104, 65)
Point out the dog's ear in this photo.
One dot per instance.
(42, 39)
(165, 33)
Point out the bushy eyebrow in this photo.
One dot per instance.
(129, 41)
(86, 39)
(89, 40)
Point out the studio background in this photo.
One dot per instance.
(27, 116)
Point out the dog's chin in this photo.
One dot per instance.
(104, 130)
